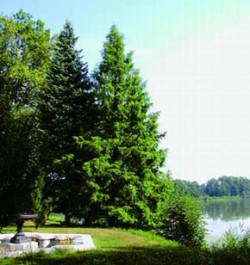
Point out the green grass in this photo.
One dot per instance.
(55, 219)
(108, 239)
(129, 247)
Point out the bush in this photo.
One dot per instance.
(182, 221)
(236, 239)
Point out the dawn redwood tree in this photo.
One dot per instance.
(24, 53)
(65, 113)
(124, 185)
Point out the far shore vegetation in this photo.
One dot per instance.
(220, 199)
(223, 187)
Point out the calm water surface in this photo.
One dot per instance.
(220, 216)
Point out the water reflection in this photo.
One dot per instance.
(220, 216)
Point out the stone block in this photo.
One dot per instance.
(26, 247)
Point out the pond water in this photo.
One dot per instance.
(220, 216)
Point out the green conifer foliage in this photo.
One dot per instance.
(64, 114)
(123, 179)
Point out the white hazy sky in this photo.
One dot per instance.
(195, 57)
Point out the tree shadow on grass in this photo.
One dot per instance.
(121, 256)
(133, 256)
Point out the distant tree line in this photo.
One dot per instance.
(223, 186)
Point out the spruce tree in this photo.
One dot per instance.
(64, 109)
(124, 183)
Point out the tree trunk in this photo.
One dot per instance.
(67, 219)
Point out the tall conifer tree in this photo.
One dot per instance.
(65, 113)
(123, 178)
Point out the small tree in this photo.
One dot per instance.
(182, 221)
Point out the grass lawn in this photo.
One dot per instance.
(132, 247)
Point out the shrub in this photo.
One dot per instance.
(182, 221)
(236, 239)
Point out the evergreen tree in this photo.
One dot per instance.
(124, 184)
(64, 109)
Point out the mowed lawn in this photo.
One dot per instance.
(127, 247)
(113, 246)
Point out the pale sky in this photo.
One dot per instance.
(195, 57)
